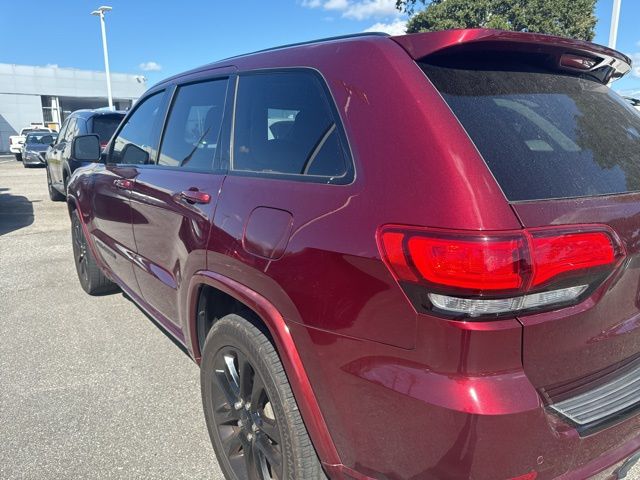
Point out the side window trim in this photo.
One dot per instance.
(216, 164)
(350, 173)
(164, 93)
(62, 132)
(68, 136)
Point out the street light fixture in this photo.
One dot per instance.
(100, 13)
(615, 18)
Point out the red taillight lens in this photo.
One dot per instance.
(559, 254)
(496, 273)
(393, 246)
(479, 264)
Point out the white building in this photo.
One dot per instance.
(48, 94)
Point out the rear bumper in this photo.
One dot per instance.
(395, 418)
(613, 465)
(15, 149)
(495, 447)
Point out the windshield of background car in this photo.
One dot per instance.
(542, 134)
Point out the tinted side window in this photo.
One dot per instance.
(71, 129)
(191, 135)
(104, 126)
(63, 131)
(137, 141)
(285, 125)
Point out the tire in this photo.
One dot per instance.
(24, 164)
(54, 194)
(251, 414)
(18, 157)
(92, 280)
(65, 184)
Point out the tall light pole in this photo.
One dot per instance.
(100, 13)
(615, 16)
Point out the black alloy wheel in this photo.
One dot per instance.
(54, 195)
(91, 278)
(80, 250)
(245, 418)
(252, 416)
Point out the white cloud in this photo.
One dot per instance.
(635, 59)
(357, 9)
(371, 8)
(335, 4)
(397, 27)
(150, 67)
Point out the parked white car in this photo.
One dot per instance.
(16, 141)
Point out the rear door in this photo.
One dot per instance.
(135, 144)
(173, 200)
(58, 150)
(53, 153)
(565, 151)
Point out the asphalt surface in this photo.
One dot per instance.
(89, 386)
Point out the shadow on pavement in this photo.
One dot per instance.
(162, 328)
(16, 211)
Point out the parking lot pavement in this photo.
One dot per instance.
(89, 386)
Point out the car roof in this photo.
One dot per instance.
(40, 132)
(89, 113)
(420, 45)
(230, 61)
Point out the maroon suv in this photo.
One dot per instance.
(411, 257)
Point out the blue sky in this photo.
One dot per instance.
(158, 38)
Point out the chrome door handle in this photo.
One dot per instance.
(194, 195)
(123, 184)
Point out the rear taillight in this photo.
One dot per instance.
(491, 274)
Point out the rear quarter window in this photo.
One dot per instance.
(286, 125)
(545, 135)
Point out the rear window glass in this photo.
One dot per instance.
(43, 138)
(545, 135)
(105, 125)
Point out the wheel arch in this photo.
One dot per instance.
(274, 323)
(66, 173)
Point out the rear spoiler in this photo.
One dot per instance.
(574, 56)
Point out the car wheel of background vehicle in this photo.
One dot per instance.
(92, 280)
(18, 157)
(54, 195)
(252, 416)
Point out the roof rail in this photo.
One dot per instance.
(309, 42)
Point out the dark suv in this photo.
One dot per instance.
(411, 257)
(60, 161)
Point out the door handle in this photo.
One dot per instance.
(123, 184)
(193, 195)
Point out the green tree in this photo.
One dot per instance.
(567, 18)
